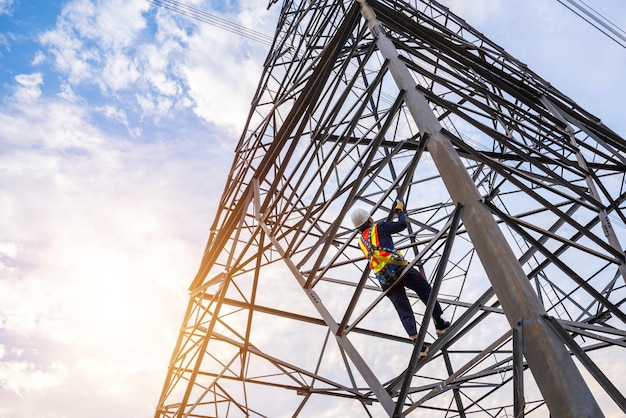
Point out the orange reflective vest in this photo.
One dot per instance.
(379, 258)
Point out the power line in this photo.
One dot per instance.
(582, 10)
(606, 19)
(217, 21)
(603, 24)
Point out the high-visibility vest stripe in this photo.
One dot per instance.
(378, 257)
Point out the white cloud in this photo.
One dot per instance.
(100, 237)
(222, 97)
(119, 72)
(222, 69)
(8, 249)
(102, 227)
(28, 87)
(93, 42)
(24, 376)
(38, 59)
(43, 122)
(183, 66)
(5, 6)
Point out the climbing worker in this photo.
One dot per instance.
(387, 263)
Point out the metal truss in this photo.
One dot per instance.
(284, 318)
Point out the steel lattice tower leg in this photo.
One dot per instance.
(511, 190)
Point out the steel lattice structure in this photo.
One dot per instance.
(285, 319)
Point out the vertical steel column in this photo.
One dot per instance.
(591, 367)
(607, 228)
(455, 391)
(430, 306)
(366, 372)
(560, 382)
(518, 370)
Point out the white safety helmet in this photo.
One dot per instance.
(359, 217)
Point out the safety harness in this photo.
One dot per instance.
(380, 258)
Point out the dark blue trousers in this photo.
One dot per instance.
(415, 281)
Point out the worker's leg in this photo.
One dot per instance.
(415, 281)
(398, 297)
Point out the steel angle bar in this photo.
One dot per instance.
(593, 222)
(600, 317)
(294, 123)
(604, 136)
(208, 387)
(201, 349)
(460, 325)
(471, 97)
(556, 261)
(607, 341)
(401, 192)
(455, 390)
(353, 193)
(496, 167)
(387, 160)
(289, 370)
(430, 306)
(536, 162)
(566, 295)
(525, 149)
(317, 146)
(410, 144)
(507, 174)
(343, 358)
(530, 253)
(361, 102)
(239, 245)
(407, 173)
(174, 374)
(609, 232)
(332, 231)
(550, 361)
(595, 332)
(518, 370)
(539, 275)
(372, 146)
(526, 124)
(523, 91)
(355, 298)
(367, 374)
(591, 367)
(577, 326)
(550, 234)
(304, 318)
(217, 241)
(471, 305)
(411, 264)
(450, 381)
(469, 380)
(562, 117)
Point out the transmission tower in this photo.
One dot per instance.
(514, 194)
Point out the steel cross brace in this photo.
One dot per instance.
(430, 306)
(368, 375)
(562, 385)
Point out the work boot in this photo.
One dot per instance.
(424, 349)
(441, 325)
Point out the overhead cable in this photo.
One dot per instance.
(217, 21)
(597, 20)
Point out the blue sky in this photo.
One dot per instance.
(118, 123)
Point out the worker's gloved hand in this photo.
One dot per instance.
(398, 207)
